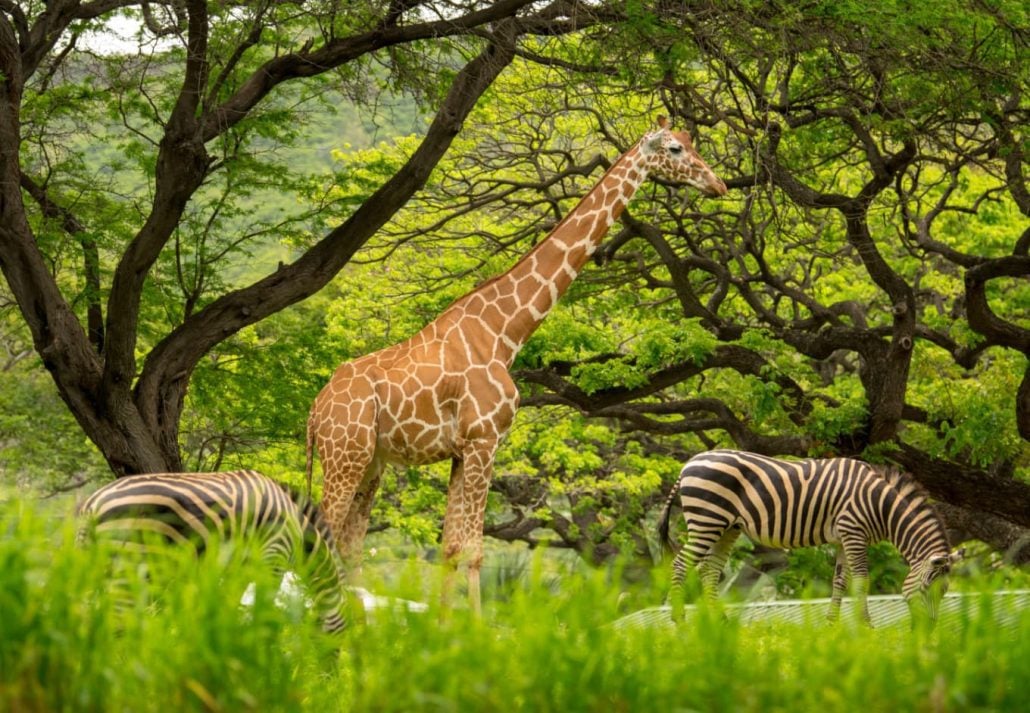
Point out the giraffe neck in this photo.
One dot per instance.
(502, 313)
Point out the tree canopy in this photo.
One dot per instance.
(861, 291)
(195, 124)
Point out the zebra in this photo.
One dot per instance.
(194, 509)
(781, 503)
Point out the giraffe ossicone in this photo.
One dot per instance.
(446, 393)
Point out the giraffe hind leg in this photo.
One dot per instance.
(345, 428)
(355, 523)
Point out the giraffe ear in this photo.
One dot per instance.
(663, 123)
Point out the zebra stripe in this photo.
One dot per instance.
(780, 503)
(199, 509)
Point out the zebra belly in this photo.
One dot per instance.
(792, 540)
(142, 528)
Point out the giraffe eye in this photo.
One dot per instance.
(675, 149)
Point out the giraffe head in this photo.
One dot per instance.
(671, 155)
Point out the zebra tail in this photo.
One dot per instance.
(664, 540)
(309, 450)
(85, 530)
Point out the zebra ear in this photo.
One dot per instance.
(957, 555)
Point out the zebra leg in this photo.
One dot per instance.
(712, 566)
(857, 563)
(684, 560)
(700, 542)
(840, 585)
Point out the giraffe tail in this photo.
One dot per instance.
(664, 540)
(309, 452)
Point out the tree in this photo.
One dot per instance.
(864, 296)
(859, 292)
(190, 115)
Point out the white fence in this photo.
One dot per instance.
(884, 610)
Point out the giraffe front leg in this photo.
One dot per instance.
(463, 526)
(451, 538)
(479, 470)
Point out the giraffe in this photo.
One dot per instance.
(446, 391)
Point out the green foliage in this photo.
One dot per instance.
(809, 571)
(550, 646)
(67, 644)
(412, 502)
(971, 408)
(577, 455)
(827, 422)
(38, 435)
(306, 158)
(658, 344)
(568, 334)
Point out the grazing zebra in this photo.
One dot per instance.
(782, 503)
(193, 508)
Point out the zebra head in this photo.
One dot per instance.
(928, 579)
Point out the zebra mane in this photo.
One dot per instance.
(908, 488)
(902, 482)
(295, 494)
(310, 509)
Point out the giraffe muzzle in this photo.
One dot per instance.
(714, 188)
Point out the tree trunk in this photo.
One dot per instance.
(1012, 541)
(967, 487)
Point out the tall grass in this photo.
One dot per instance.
(183, 643)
